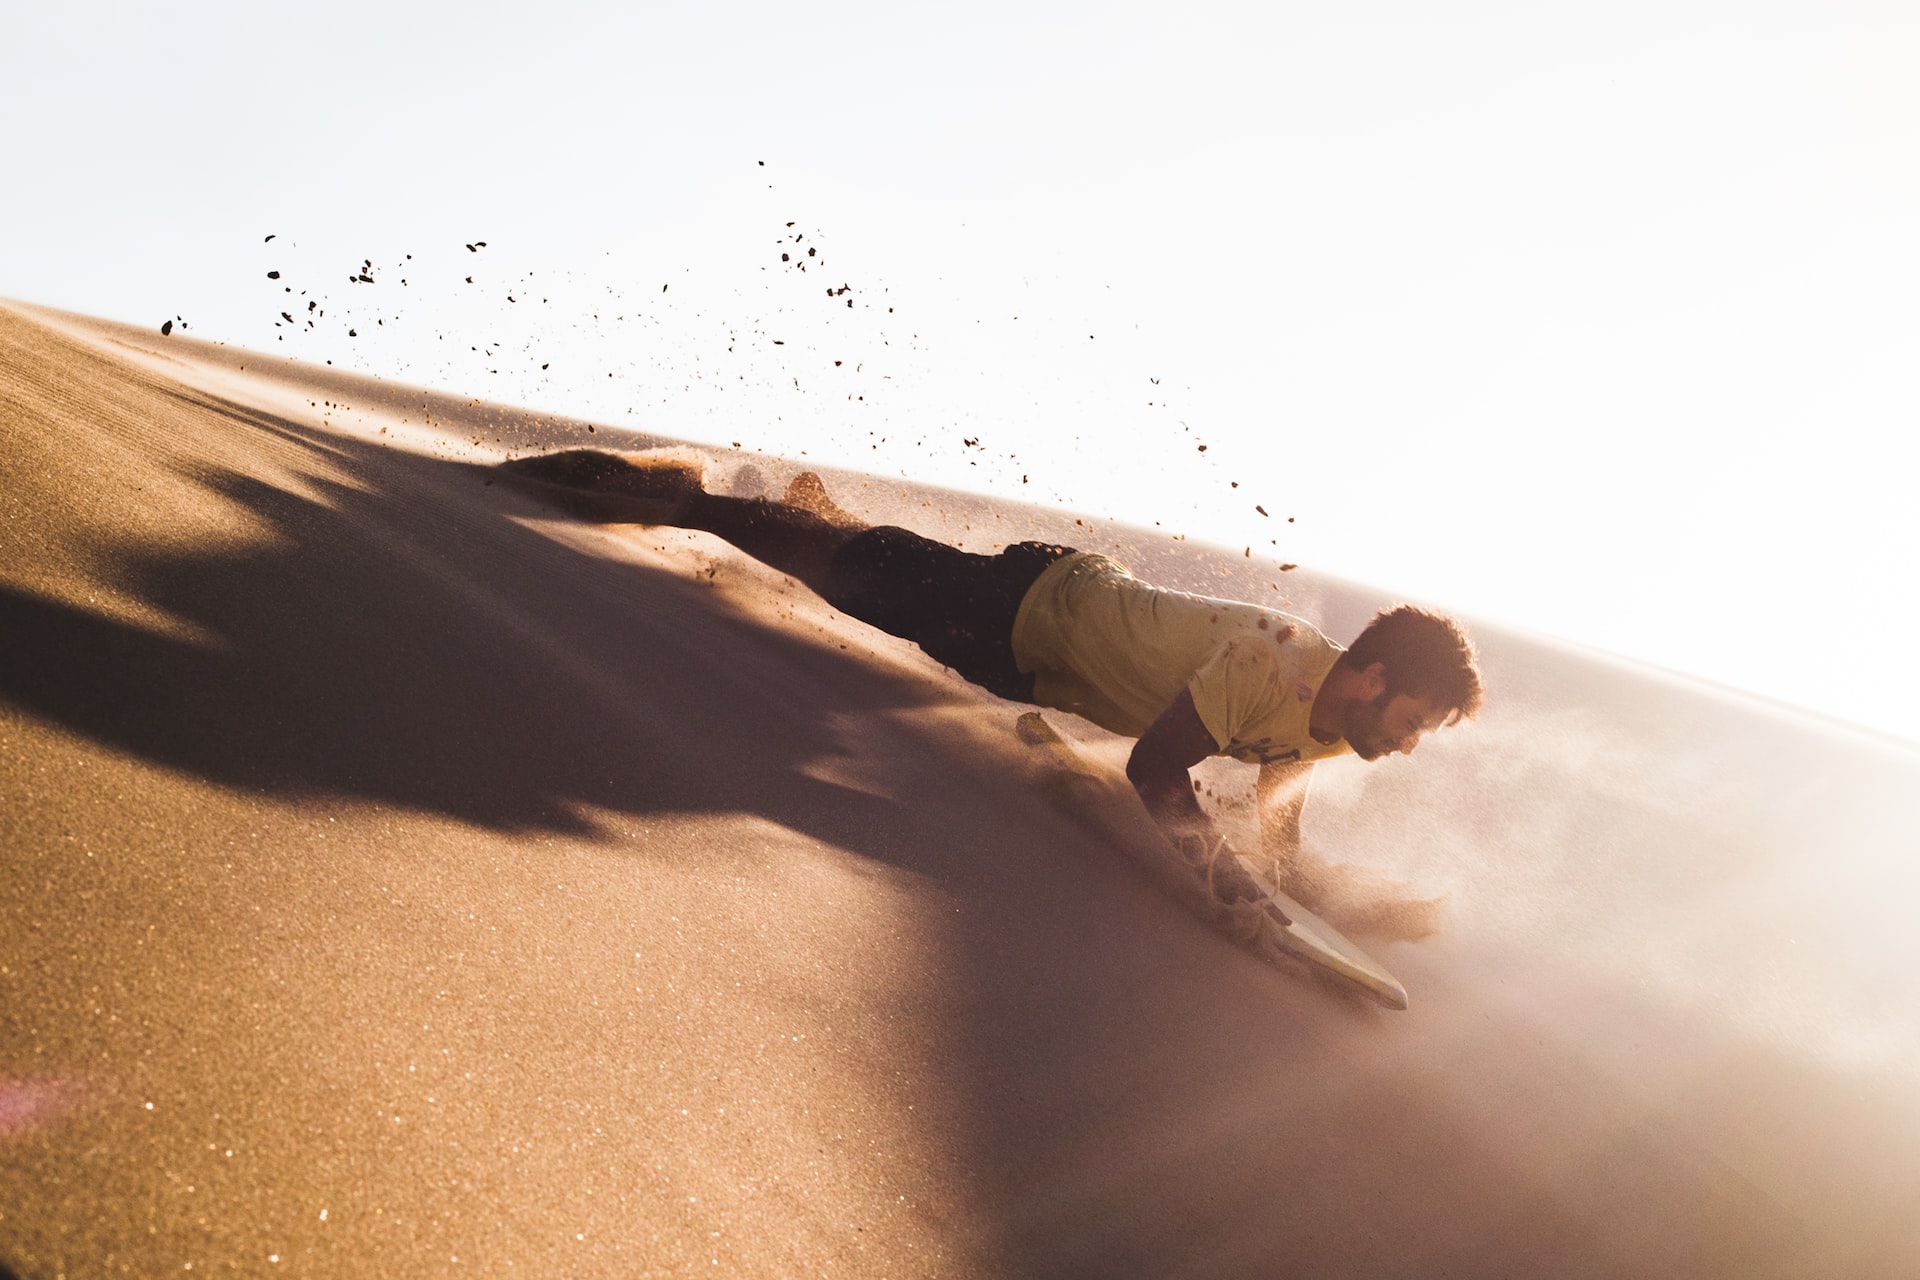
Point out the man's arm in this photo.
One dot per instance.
(1173, 744)
(1281, 792)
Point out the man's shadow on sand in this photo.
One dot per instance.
(400, 639)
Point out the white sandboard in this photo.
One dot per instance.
(1313, 939)
(1305, 936)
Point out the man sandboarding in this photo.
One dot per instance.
(1186, 675)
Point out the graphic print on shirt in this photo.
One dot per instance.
(1260, 749)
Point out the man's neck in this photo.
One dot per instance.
(1327, 720)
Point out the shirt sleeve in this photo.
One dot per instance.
(1237, 693)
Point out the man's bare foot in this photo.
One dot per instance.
(809, 493)
(605, 487)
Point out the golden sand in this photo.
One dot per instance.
(401, 880)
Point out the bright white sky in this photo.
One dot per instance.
(1599, 320)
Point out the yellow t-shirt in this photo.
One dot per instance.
(1103, 644)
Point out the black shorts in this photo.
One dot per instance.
(957, 606)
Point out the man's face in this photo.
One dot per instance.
(1392, 724)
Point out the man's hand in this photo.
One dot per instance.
(1228, 881)
(1173, 744)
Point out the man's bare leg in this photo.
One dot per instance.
(794, 538)
(790, 539)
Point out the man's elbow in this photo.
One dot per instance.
(1155, 780)
(1145, 773)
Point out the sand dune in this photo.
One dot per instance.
(401, 881)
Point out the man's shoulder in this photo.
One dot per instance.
(1298, 630)
(1292, 639)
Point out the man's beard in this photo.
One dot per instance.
(1366, 728)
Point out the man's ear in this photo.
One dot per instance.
(1373, 681)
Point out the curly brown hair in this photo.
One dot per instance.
(1425, 654)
